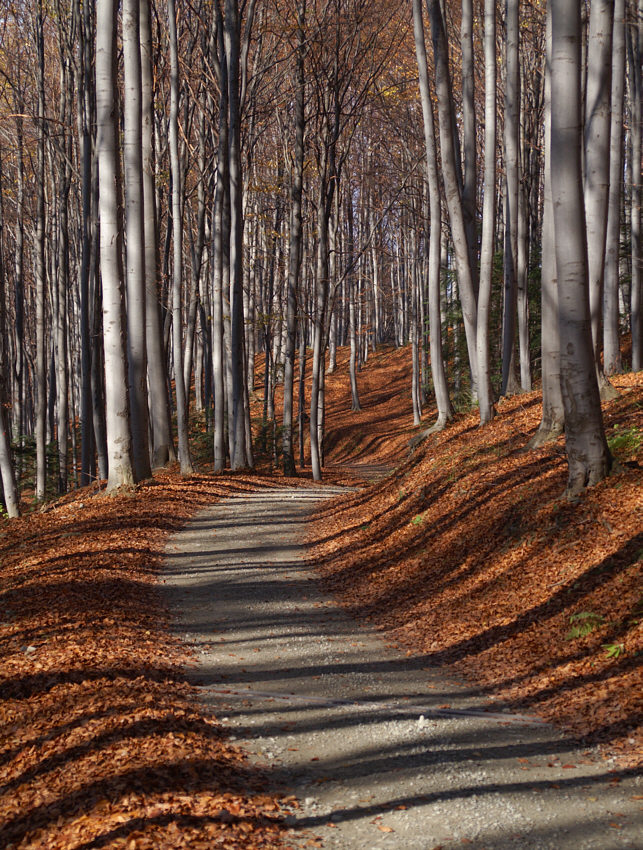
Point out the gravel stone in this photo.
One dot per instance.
(357, 730)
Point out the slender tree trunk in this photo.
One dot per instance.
(85, 120)
(597, 167)
(41, 356)
(611, 341)
(350, 283)
(321, 299)
(7, 473)
(470, 180)
(587, 452)
(159, 406)
(135, 241)
(636, 293)
(485, 397)
(177, 233)
(512, 189)
(446, 114)
(445, 409)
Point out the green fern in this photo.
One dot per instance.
(613, 650)
(583, 624)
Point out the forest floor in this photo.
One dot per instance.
(467, 555)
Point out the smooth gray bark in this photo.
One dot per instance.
(445, 409)
(597, 166)
(485, 397)
(588, 456)
(41, 363)
(512, 188)
(120, 471)
(469, 178)
(177, 240)
(162, 448)
(85, 116)
(135, 241)
(446, 113)
(553, 414)
(611, 332)
(635, 54)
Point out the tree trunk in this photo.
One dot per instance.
(485, 397)
(238, 456)
(120, 471)
(446, 114)
(470, 180)
(350, 283)
(512, 189)
(163, 451)
(41, 356)
(445, 409)
(135, 241)
(636, 311)
(85, 121)
(177, 233)
(611, 331)
(597, 167)
(588, 456)
(553, 415)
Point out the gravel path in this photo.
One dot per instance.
(379, 750)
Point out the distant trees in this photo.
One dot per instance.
(196, 223)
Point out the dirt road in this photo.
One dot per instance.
(379, 750)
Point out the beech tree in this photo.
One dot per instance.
(120, 471)
(588, 456)
(287, 193)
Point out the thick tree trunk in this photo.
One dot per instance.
(220, 238)
(116, 399)
(238, 455)
(553, 415)
(588, 456)
(7, 473)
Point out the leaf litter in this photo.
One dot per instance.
(102, 740)
(468, 555)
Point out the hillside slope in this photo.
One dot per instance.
(467, 553)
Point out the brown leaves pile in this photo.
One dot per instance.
(102, 743)
(469, 555)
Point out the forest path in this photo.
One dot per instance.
(380, 751)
